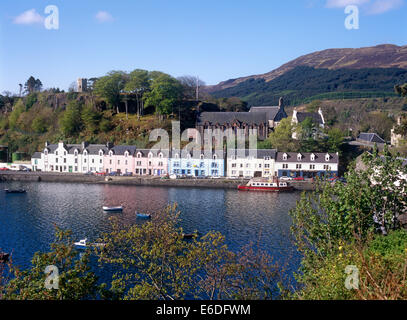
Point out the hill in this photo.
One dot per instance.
(332, 73)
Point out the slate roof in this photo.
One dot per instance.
(155, 152)
(220, 154)
(315, 116)
(36, 155)
(121, 150)
(272, 112)
(221, 118)
(306, 157)
(371, 137)
(260, 153)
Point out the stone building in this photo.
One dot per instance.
(82, 85)
(263, 119)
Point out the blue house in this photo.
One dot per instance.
(202, 165)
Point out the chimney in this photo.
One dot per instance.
(281, 103)
(46, 144)
(109, 145)
(84, 145)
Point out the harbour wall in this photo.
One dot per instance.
(135, 181)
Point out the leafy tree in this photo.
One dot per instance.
(347, 215)
(281, 138)
(110, 86)
(33, 85)
(18, 109)
(90, 118)
(335, 140)
(76, 281)
(70, 122)
(157, 263)
(165, 94)
(39, 125)
(139, 82)
(189, 84)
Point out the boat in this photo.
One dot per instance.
(83, 244)
(188, 236)
(143, 215)
(113, 209)
(4, 257)
(266, 185)
(15, 190)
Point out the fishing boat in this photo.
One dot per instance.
(113, 209)
(4, 257)
(15, 190)
(83, 244)
(143, 215)
(266, 186)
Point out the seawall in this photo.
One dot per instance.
(136, 181)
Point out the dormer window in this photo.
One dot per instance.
(56, 153)
(299, 157)
(85, 153)
(312, 157)
(139, 155)
(327, 157)
(100, 153)
(176, 156)
(110, 153)
(150, 155)
(126, 154)
(214, 157)
(76, 153)
(160, 156)
(202, 156)
(284, 156)
(46, 152)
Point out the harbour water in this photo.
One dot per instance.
(27, 221)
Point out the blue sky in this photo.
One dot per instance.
(216, 40)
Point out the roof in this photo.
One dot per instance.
(36, 155)
(221, 118)
(371, 137)
(155, 152)
(272, 112)
(306, 157)
(220, 154)
(257, 153)
(315, 116)
(121, 150)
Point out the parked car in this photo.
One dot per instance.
(100, 173)
(127, 174)
(4, 169)
(114, 173)
(299, 179)
(89, 173)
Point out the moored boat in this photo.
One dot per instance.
(266, 186)
(15, 190)
(83, 244)
(4, 257)
(143, 215)
(113, 209)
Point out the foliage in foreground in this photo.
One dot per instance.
(344, 225)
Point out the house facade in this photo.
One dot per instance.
(251, 163)
(204, 165)
(119, 159)
(306, 165)
(37, 161)
(316, 117)
(151, 162)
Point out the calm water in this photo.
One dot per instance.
(27, 221)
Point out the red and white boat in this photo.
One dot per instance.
(266, 186)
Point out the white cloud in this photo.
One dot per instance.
(344, 3)
(382, 6)
(104, 16)
(29, 17)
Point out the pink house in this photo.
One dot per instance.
(151, 162)
(120, 159)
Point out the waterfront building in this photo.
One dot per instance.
(152, 162)
(72, 158)
(307, 165)
(120, 159)
(251, 163)
(316, 117)
(204, 165)
(37, 161)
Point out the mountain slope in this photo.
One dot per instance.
(381, 56)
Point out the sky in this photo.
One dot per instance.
(215, 40)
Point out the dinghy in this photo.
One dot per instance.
(113, 209)
(15, 190)
(143, 215)
(82, 244)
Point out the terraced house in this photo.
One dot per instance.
(72, 158)
(251, 163)
(120, 159)
(202, 165)
(152, 162)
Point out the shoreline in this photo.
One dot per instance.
(137, 181)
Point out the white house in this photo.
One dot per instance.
(251, 163)
(316, 117)
(307, 165)
(37, 161)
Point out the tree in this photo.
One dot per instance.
(190, 85)
(348, 215)
(139, 83)
(281, 138)
(90, 118)
(70, 122)
(110, 86)
(76, 281)
(33, 85)
(157, 263)
(335, 140)
(165, 93)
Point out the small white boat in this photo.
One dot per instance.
(113, 209)
(143, 215)
(82, 244)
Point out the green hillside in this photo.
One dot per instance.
(304, 84)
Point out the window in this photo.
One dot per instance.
(126, 162)
(327, 157)
(110, 162)
(118, 161)
(46, 152)
(93, 160)
(267, 158)
(312, 157)
(76, 153)
(139, 163)
(299, 166)
(160, 164)
(299, 157)
(233, 165)
(64, 153)
(312, 166)
(56, 160)
(76, 160)
(138, 155)
(267, 166)
(285, 165)
(84, 160)
(284, 156)
(64, 160)
(56, 153)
